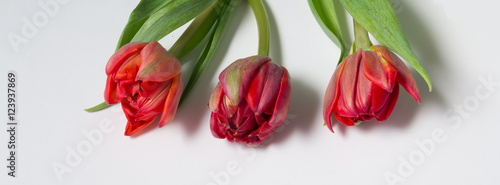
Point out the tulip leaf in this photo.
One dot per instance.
(170, 17)
(197, 30)
(138, 17)
(210, 47)
(324, 12)
(99, 107)
(378, 17)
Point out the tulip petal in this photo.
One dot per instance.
(271, 87)
(129, 68)
(152, 89)
(363, 92)
(157, 64)
(332, 94)
(110, 96)
(404, 76)
(216, 98)
(348, 82)
(236, 77)
(282, 101)
(254, 93)
(348, 121)
(132, 128)
(248, 125)
(122, 55)
(172, 101)
(214, 122)
(380, 98)
(374, 71)
(383, 114)
(153, 105)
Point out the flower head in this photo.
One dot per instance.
(146, 79)
(366, 86)
(250, 101)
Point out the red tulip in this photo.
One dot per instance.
(250, 101)
(147, 80)
(366, 86)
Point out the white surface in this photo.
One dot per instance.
(61, 72)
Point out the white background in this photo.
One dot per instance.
(61, 71)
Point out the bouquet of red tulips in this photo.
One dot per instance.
(252, 97)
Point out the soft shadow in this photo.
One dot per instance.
(275, 45)
(303, 108)
(190, 114)
(424, 43)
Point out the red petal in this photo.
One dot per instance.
(216, 98)
(157, 64)
(132, 128)
(332, 94)
(379, 99)
(110, 96)
(383, 114)
(363, 92)
(245, 127)
(236, 78)
(282, 100)
(254, 93)
(404, 76)
(153, 89)
(374, 71)
(272, 87)
(348, 82)
(129, 68)
(123, 54)
(214, 122)
(172, 101)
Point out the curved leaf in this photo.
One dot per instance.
(378, 17)
(197, 30)
(138, 17)
(210, 47)
(324, 12)
(170, 17)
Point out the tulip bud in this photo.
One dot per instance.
(250, 101)
(366, 86)
(147, 80)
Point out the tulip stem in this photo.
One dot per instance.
(196, 31)
(263, 25)
(361, 38)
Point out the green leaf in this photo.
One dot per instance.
(210, 47)
(324, 12)
(170, 17)
(197, 30)
(138, 17)
(99, 107)
(378, 17)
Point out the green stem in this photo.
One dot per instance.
(263, 25)
(361, 39)
(203, 23)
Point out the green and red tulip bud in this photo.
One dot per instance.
(147, 80)
(366, 86)
(250, 101)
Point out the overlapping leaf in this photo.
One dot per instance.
(170, 17)
(378, 17)
(214, 38)
(324, 12)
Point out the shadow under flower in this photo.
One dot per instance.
(305, 102)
